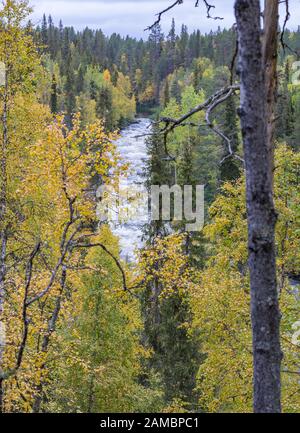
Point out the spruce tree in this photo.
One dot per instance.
(284, 124)
(44, 31)
(230, 168)
(166, 318)
(53, 103)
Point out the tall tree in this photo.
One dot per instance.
(171, 48)
(285, 124)
(44, 31)
(53, 104)
(257, 69)
(16, 50)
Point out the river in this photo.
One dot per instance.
(133, 148)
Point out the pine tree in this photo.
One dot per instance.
(104, 106)
(230, 169)
(175, 91)
(183, 54)
(80, 80)
(159, 173)
(70, 90)
(166, 93)
(61, 33)
(53, 103)
(284, 125)
(171, 49)
(44, 31)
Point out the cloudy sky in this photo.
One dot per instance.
(132, 16)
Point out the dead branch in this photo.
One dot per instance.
(28, 278)
(117, 262)
(285, 46)
(234, 58)
(287, 17)
(291, 372)
(208, 6)
(171, 124)
(160, 14)
(208, 107)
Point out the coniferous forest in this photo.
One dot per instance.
(203, 321)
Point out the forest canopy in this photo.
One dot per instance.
(81, 329)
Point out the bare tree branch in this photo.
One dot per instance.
(234, 58)
(28, 278)
(160, 14)
(284, 44)
(171, 124)
(208, 6)
(117, 262)
(287, 17)
(47, 337)
(208, 107)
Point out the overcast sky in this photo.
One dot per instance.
(132, 16)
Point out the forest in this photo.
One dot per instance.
(199, 321)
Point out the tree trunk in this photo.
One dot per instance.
(38, 398)
(255, 120)
(3, 229)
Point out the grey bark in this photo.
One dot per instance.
(255, 117)
(38, 399)
(3, 209)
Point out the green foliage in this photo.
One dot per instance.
(167, 278)
(186, 344)
(222, 299)
(99, 367)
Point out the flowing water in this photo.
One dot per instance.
(133, 148)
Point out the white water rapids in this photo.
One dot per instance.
(133, 149)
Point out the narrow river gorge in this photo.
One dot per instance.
(132, 146)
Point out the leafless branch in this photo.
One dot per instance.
(209, 8)
(231, 153)
(287, 17)
(291, 372)
(160, 14)
(47, 337)
(171, 124)
(117, 262)
(234, 57)
(208, 107)
(55, 313)
(28, 278)
(52, 279)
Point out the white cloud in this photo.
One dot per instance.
(132, 16)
